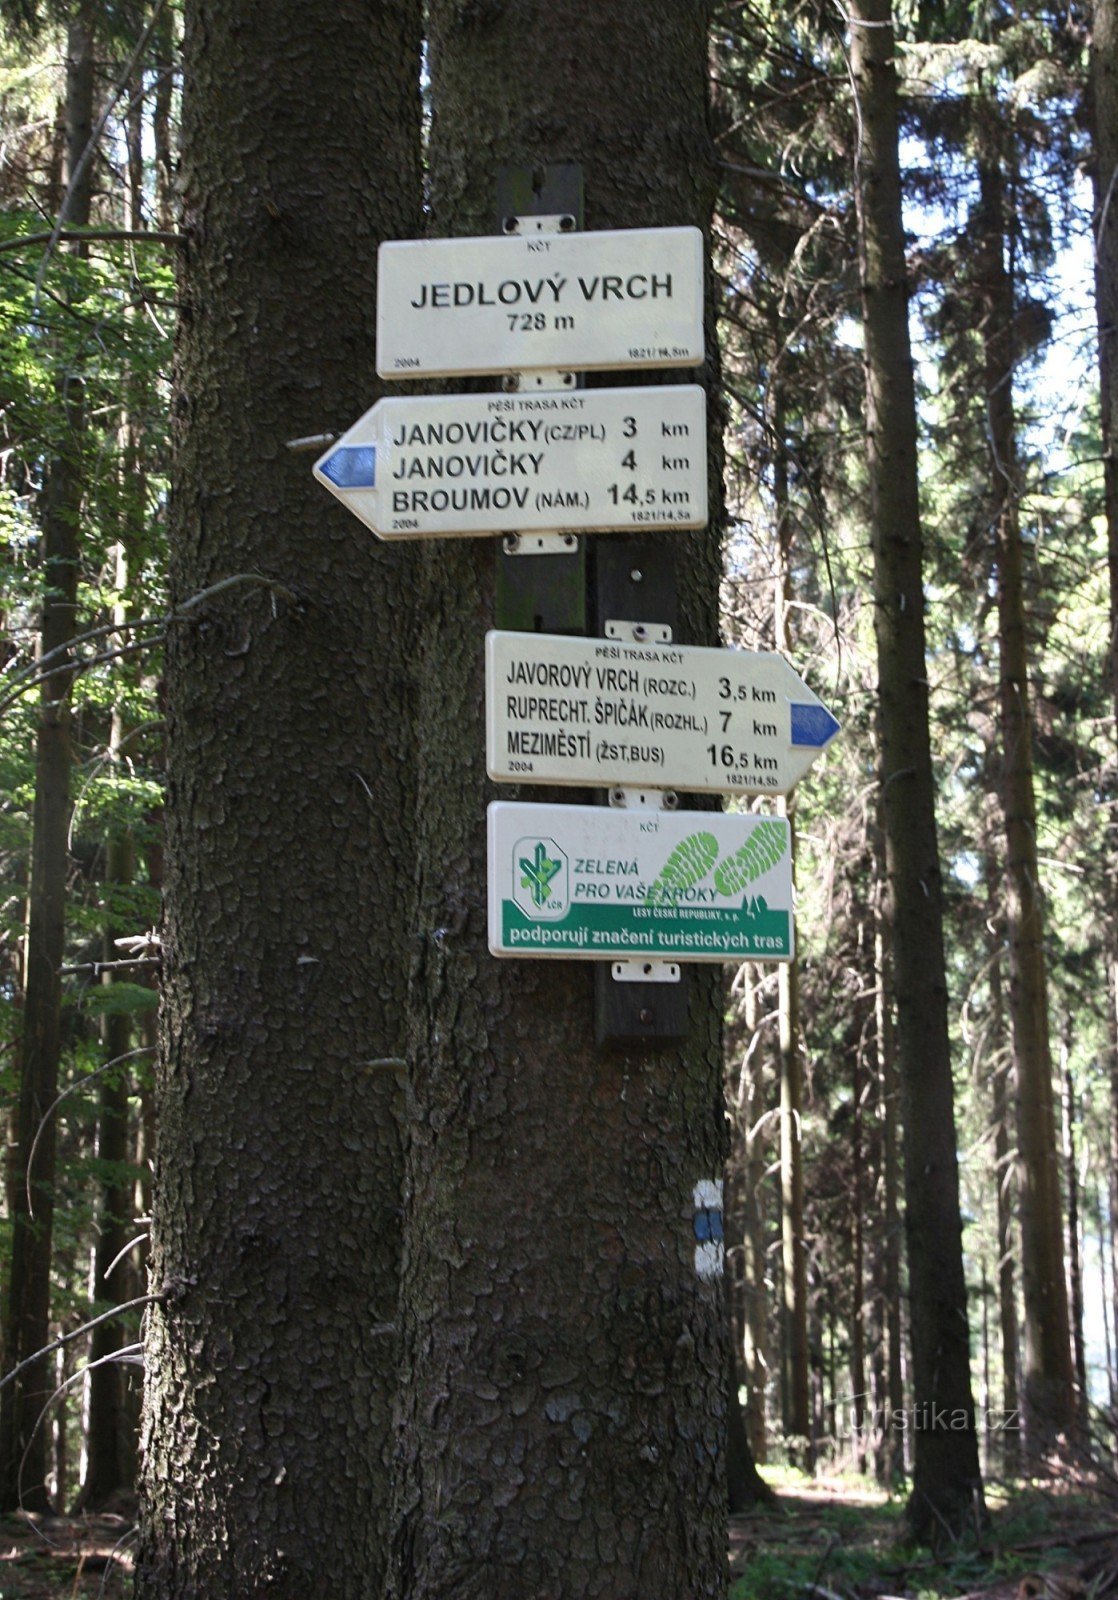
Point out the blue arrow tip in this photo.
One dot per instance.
(812, 726)
(351, 467)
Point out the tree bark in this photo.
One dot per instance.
(755, 1261)
(794, 1344)
(890, 1460)
(290, 827)
(796, 1372)
(562, 1422)
(1005, 1167)
(1103, 101)
(23, 1444)
(1047, 1379)
(947, 1488)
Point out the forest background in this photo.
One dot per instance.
(1008, 179)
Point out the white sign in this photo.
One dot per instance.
(631, 298)
(601, 885)
(595, 711)
(483, 464)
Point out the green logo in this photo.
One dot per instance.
(538, 873)
(541, 882)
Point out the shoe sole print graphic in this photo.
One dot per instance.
(692, 859)
(687, 865)
(763, 849)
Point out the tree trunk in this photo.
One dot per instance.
(1047, 1379)
(23, 1445)
(1074, 1245)
(890, 1461)
(110, 1445)
(796, 1373)
(1005, 1165)
(745, 1486)
(947, 1485)
(794, 1343)
(111, 1435)
(290, 828)
(563, 1408)
(1104, 171)
(110, 1438)
(858, 1154)
(755, 1262)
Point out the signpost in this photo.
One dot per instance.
(626, 298)
(591, 459)
(594, 884)
(640, 887)
(598, 711)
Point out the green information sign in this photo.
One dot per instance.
(590, 883)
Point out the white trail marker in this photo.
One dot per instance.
(585, 301)
(591, 459)
(596, 711)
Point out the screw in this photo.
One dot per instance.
(647, 968)
(511, 224)
(636, 576)
(568, 379)
(617, 797)
(671, 800)
(640, 631)
(566, 224)
(512, 543)
(510, 382)
(568, 539)
(646, 1015)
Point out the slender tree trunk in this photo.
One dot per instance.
(947, 1488)
(562, 1413)
(23, 1445)
(796, 1385)
(1047, 1379)
(745, 1485)
(1104, 128)
(290, 842)
(1005, 1167)
(890, 1467)
(162, 103)
(1103, 101)
(110, 1445)
(857, 1225)
(1103, 1243)
(1074, 1248)
(755, 1263)
(111, 1457)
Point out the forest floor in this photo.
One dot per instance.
(827, 1538)
(836, 1538)
(46, 1558)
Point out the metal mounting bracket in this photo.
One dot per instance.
(539, 380)
(646, 972)
(640, 632)
(540, 544)
(548, 222)
(624, 799)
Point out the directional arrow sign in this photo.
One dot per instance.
(592, 711)
(631, 298)
(483, 464)
(601, 885)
